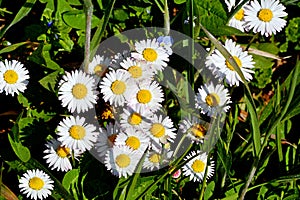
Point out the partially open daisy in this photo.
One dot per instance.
(114, 87)
(138, 70)
(152, 52)
(147, 95)
(265, 17)
(196, 166)
(13, 77)
(238, 21)
(77, 91)
(195, 129)
(99, 65)
(223, 69)
(36, 184)
(74, 133)
(122, 161)
(134, 139)
(57, 156)
(212, 99)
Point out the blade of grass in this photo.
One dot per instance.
(278, 135)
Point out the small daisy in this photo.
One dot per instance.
(223, 69)
(36, 184)
(196, 166)
(195, 129)
(134, 139)
(115, 87)
(157, 159)
(238, 21)
(99, 65)
(212, 99)
(122, 161)
(74, 133)
(152, 52)
(106, 138)
(162, 129)
(77, 91)
(265, 17)
(139, 70)
(147, 95)
(57, 155)
(13, 77)
(166, 42)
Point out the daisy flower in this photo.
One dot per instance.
(106, 138)
(122, 161)
(195, 129)
(265, 17)
(238, 21)
(146, 95)
(212, 99)
(36, 184)
(156, 159)
(74, 133)
(134, 139)
(223, 69)
(152, 52)
(57, 155)
(114, 87)
(139, 70)
(98, 66)
(77, 91)
(13, 77)
(196, 166)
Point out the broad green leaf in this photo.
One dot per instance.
(23, 100)
(120, 15)
(23, 12)
(69, 178)
(263, 71)
(228, 31)
(6, 193)
(76, 19)
(66, 42)
(21, 151)
(24, 122)
(49, 81)
(13, 47)
(209, 191)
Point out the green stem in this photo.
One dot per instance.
(88, 6)
(166, 18)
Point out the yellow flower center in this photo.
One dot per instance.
(79, 91)
(154, 158)
(63, 151)
(10, 76)
(265, 15)
(122, 160)
(198, 166)
(118, 87)
(144, 96)
(150, 54)
(135, 71)
(36, 183)
(212, 99)
(157, 130)
(239, 15)
(77, 132)
(237, 60)
(98, 68)
(135, 119)
(133, 142)
(198, 130)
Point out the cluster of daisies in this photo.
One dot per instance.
(264, 16)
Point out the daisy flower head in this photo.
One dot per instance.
(115, 86)
(106, 138)
(155, 160)
(57, 156)
(212, 99)
(77, 91)
(98, 66)
(195, 129)
(122, 161)
(196, 166)
(223, 69)
(265, 17)
(147, 95)
(134, 139)
(139, 70)
(152, 52)
(13, 77)
(74, 133)
(36, 184)
(238, 21)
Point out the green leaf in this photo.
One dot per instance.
(23, 100)
(76, 19)
(228, 31)
(209, 191)
(263, 71)
(179, 1)
(24, 122)
(23, 12)
(69, 178)
(292, 31)
(21, 151)
(13, 47)
(120, 15)
(49, 81)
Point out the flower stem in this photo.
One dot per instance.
(88, 5)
